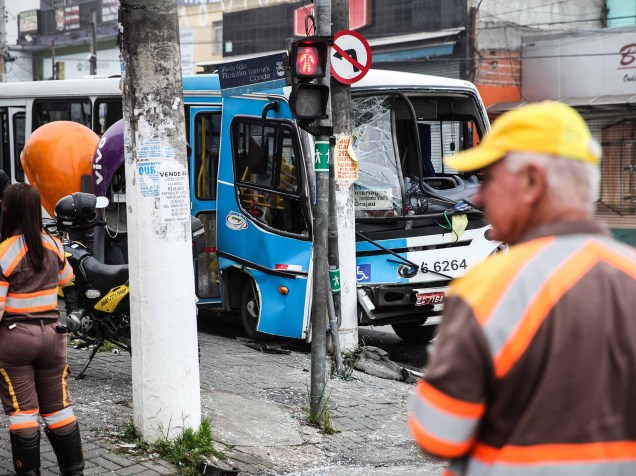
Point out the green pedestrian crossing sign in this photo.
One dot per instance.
(334, 280)
(321, 156)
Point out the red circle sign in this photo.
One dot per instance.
(350, 57)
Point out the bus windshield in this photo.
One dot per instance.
(399, 140)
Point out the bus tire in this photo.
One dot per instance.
(250, 307)
(415, 332)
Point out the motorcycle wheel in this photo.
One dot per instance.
(250, 310)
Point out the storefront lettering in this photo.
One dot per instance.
(629, 78)
(628, 54)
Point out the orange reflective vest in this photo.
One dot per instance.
(535, 367)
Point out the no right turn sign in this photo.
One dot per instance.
(350, 57)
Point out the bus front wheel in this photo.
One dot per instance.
(415, 332)
(250, 311)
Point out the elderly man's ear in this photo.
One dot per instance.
(534, 184)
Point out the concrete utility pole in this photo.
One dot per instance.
(345, 215)
(165, 368)
(93, 55)
(322, 15)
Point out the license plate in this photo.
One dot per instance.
(427, 299)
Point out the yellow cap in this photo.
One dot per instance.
(548, 127)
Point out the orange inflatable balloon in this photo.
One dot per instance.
(56, 156)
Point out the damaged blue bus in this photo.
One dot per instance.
(251, 172)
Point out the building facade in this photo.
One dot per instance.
(583, 54)
(59, 36)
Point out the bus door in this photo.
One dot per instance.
(264, 217)
(204, 137)
(13, 134)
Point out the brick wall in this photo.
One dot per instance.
(498, 76)
(498, 68)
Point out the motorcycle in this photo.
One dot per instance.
(97, 303)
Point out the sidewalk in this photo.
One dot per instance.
(256, 404)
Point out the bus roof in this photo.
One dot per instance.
(66, 87)
(375, 78)
(379, 78)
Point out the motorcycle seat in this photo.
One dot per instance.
(104, 276)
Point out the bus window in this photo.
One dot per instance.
(109, 111)
(19, 134)
(5, 151)
(267, 175)
(207, 142)
(76, 110)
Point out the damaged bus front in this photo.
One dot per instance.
(416, 228)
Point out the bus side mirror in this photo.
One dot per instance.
(258, 154)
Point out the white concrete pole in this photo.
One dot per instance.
(345, 215)
(166, 388)
(347, 255)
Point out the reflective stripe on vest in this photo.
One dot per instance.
(441, 424)
(4, 289)
(59, 419)
(23, 419)
(32, 302)
(66, 275)
(14, 252)
(538, 287)
(52, 244)
(583, 459)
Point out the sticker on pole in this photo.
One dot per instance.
(350, 57)
(346, 162)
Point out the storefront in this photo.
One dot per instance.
(594, 72)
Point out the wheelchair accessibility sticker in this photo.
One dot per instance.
(363, 273)
(235, 221)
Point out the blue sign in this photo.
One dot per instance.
(363, 273)
(254, 74)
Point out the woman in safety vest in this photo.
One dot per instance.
(33, 367)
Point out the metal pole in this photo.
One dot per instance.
(322, 14)
(3, 35)
(53, 68)
(165, 367)
(93, 60)
(344, 201)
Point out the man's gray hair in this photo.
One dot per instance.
(571, 183)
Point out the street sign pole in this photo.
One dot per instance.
(318, 397)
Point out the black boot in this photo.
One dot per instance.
(68, 449)
(26, 454)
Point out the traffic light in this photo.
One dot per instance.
(308, 62)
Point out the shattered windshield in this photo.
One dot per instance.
(378, 191)
(400, 141)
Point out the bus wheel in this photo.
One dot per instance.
(415, 332)
(250, 310)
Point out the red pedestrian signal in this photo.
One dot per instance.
(308, 58)
(307, 62)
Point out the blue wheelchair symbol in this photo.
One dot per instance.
(363, 273)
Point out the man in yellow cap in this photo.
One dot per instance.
(535, 367)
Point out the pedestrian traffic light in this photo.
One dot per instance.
(308, 62)
(308, 58)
